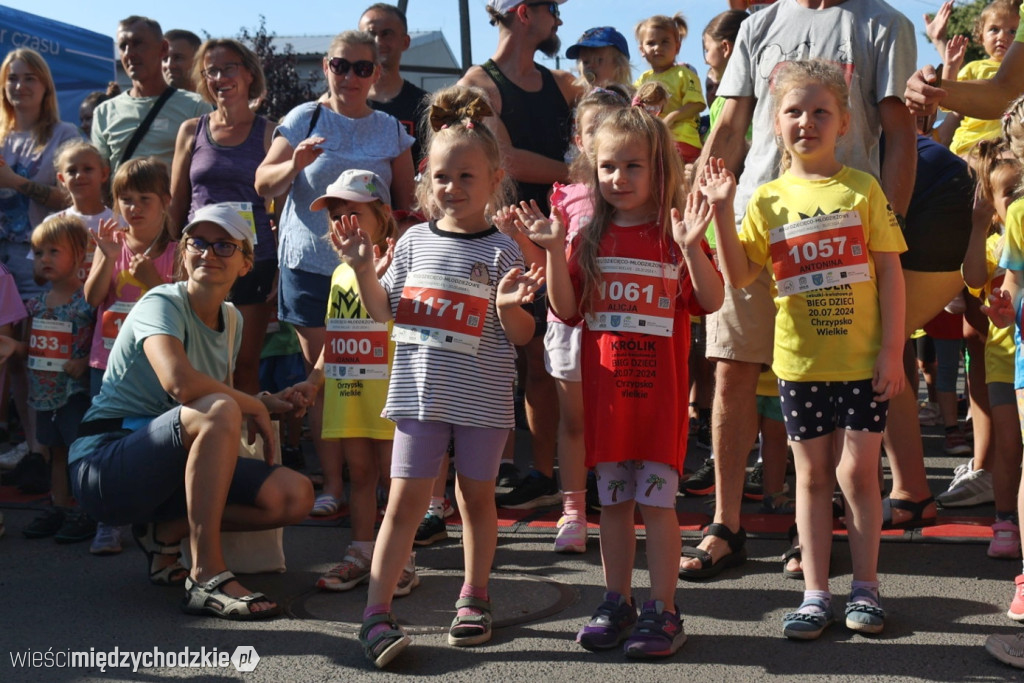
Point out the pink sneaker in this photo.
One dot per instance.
(1016, 611)
(1005, 543)
(572, 535)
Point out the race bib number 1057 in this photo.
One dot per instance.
(819, 252)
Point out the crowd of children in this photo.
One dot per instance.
(631, 254)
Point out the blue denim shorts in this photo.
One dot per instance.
(60, 427)
(134, 477)
(302, 297)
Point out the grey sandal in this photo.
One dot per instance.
(173, 574)
(471, 629)
(208, 598)
(386, 645)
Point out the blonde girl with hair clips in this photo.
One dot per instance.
(1004, 303)
(635, 274)
(454, 290)
(833, 244)
(660, 38)
(83, 173)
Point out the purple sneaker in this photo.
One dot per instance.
(657, 634)
(612, 622)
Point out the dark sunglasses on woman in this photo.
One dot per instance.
(339, 65)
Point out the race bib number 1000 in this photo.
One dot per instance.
(635, 296)
(819, 252)
(442, 311)
(356, 348)
(49, 346)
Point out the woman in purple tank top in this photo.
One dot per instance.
(215, 161)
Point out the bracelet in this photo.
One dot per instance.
(262, 395)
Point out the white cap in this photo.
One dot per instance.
(504, 6)
(355, 185)
(224, 215)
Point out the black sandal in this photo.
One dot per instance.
(386, 645)
(708, 567)
(173, 574)
(916, 510)
(794, 552)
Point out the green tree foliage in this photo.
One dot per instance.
(286, 89)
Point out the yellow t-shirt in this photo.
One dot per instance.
(999, 345)
(352, 407)
(767, 384)
(827, 333)
(1020, 27)
(972, 130)
(683, 87)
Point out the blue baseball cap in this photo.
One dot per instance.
(601, 36)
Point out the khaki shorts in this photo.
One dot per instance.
(744, 327)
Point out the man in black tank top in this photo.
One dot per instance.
(533, 110)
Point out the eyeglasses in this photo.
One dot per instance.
(552, 7)
(197, 245)
(363, 68)
(229, 70)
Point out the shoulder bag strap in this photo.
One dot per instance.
(143, 128)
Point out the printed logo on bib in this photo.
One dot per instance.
(442, 311)
(112, 320)
(819, 252)
(632, 297)
(49, 345)
(356, 348)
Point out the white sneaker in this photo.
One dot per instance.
(973, 488)
(10, 459)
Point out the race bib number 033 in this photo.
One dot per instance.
(49, 346)
(633, 297)
(356, 348)
(819, 252)
(442, 311)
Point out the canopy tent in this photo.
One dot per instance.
(81, 61)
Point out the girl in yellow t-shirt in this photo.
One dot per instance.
(833, 244)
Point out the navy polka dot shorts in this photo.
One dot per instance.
(813, 409)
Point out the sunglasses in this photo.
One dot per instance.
(552, 7)
(197, 245)
(363, 68)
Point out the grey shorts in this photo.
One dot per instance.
(743, 328)
(134, 477)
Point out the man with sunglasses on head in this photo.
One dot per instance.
(533, 109)
(392, 94)
(144, 120)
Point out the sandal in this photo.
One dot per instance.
(387, 644)
(173, 574)
(794, 552)
(208, 598)
(325, 505)
(916, 510)
(471, 629)
(708, 567)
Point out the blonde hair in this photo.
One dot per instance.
(635, 125)
(246, 58)
(49, 114)
(73, 147)
(622, 73)
(456, 114)
(145, 174)
(997, 7)
(1013, 128)
(62, 229)
(801, 73)
(675, 24)
(381, 211)
(605, 100)
(355, 38)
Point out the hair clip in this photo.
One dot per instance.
(470, 125)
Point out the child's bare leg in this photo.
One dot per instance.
(663, 548)
(406, 502)
(618, 548)
(815, 481)
(858, 478)
(363, 470)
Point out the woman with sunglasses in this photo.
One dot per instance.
(314, 144)
(159, 446)
(215, 160)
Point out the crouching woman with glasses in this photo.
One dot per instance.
(159, 447)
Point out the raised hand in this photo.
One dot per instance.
(518, 287)
(381, 262)
(307, 151)
(717, 182)
(1000, 308)
(505, 221)
(935, 28)
(548, 233)
(956, 48)
(352, 244)
(108, 237)
(689, 229)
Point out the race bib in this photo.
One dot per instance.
(356, 348)
(635, 296)
(112, 320)
(819, 252)
(244, 209)
(49, 345)
(442, 311)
